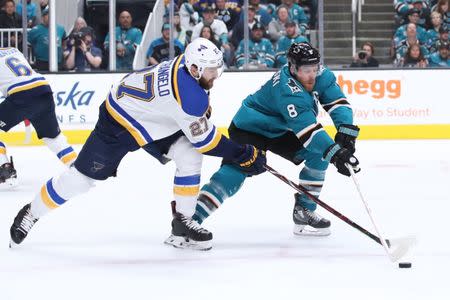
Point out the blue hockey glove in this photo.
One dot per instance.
(346, 136)
(340, 157)
(251, 161)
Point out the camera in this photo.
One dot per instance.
(362, 54)
(78, 36)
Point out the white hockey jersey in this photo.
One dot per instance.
(158, 101)
(16, 74)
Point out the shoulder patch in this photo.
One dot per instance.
(294, 86)
(188, 93)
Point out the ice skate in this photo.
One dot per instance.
(8, 175)
(309, 223)
(188, 234)
(23, 223)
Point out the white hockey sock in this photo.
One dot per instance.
(59, 190)
(186, 184)
(3, 156)
(61, 148)
(185, 192)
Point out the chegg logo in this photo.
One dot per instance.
(377, 89)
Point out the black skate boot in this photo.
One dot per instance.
(8, 175)
(309, 223)
(187, 233)
(23, 223)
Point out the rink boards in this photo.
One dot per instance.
(387, 104)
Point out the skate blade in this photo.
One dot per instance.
(181, 243)
(9, 183)
(13, 245)
(306, 230)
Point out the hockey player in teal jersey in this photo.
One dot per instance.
(281, 117)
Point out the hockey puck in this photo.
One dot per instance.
(404, 265)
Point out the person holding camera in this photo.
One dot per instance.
(83, 55)
(364, 58)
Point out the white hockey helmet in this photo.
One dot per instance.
(204, 54)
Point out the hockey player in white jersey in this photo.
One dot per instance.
(161, 109)
(27, 96)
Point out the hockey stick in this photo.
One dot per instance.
(303, 190)
(400, 246)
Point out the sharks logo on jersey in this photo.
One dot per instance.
(293, 86)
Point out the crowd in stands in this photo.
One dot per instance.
(420, 40)
(272, 27)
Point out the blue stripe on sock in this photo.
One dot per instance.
(187, 180)
(64, 152)
(2, 145)
(55, 197)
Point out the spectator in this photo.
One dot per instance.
(413, 18)
(220, 31)
(10, 19)
(77, 26)
(297, 14)
(262, 15)
(442, 8)
(234, 5)
(43, 4)
(208, 34)
(228, 15)
(292, 36)
(83, 55)
(411, 39)
(188, 16)
(364, 58)
(272, 10)
(402, 7)
(159, 48)
(424, 11)
(127, 39)
(433, 33)
(38, 37)
(8, 15)
(310, 7)
(261, 51)
(179, 32)
(443, 37)
(414, 58)
(31, 12)
(440, 58)
(238, 31)
(277, 27)
(219, 28)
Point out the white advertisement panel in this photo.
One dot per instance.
(395, 97)
(378, 97)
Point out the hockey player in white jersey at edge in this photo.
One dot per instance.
(281, 117)
(161, 109)
(27, 96)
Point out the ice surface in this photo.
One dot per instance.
(108, 244)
